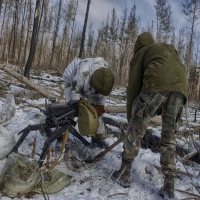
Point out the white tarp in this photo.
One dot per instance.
(7, 111)
(7, 141)
(21, 175)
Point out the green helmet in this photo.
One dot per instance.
(102, 80)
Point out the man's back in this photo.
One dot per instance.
(156, 68)
(163, 70)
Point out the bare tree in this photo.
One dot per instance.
(84, 29)
(33, 40)
(55, 32)
(191, 9)
(8, 16)
(15, 29)
(45, 22)
(24, 14)
(4, 16)
(73, 24)
(132, 30)
(181, 45)
(29, 24)
(113, 39)
(164, 20)
(121, 45)
(90, 41)
(1, 1)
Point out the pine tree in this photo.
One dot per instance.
(90, 41)
(122, 38)
(164, 20)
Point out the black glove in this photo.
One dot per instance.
(73, 102)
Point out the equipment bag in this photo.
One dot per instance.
(22, 175)
(87, 119)
(19, 176)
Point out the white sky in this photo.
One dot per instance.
(145, 8)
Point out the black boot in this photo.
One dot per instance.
(168, 187)
(122, 176)
(101, 143)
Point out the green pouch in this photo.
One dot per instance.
(87, 119)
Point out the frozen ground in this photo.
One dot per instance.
(92, 181)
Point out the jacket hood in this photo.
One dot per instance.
(102, 80)
(143, 40)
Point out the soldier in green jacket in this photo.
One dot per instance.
(157, 82)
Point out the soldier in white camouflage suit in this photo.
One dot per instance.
(90, 79)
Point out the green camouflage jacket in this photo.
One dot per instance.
(155, 68)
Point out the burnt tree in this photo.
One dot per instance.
(84, 29)
(33, 40)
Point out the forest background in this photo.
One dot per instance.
(57, 37)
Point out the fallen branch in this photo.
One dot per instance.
(119, 97)
(118, 194)
(177, 171)
(115, 109)
(32, 85)
(114, 99)
(157, 120)
(182, 191)
(190, 155)
(190, 198)
(45, 79)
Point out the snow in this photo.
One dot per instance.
(92, 181)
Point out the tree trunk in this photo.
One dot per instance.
(22, 32)
(55, 34)
(69, 47)
(0, 6)
(4, 16)
(84, 29)
(28, 82)
(15, 25)
(33, 40)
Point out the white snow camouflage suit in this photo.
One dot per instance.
(77, 77)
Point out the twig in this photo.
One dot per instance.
(42, 189)
(190, 155)
(177, 171)
(117, 179)
(117, 194)
(190, 175)
(34, 146)
(195, 195)
(2, 99)
(40, 78)
(111, 173)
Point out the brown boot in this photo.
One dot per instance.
(122, 176)
(169, 186)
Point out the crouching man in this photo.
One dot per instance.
(90, 79)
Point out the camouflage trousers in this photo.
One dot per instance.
(144, 108)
